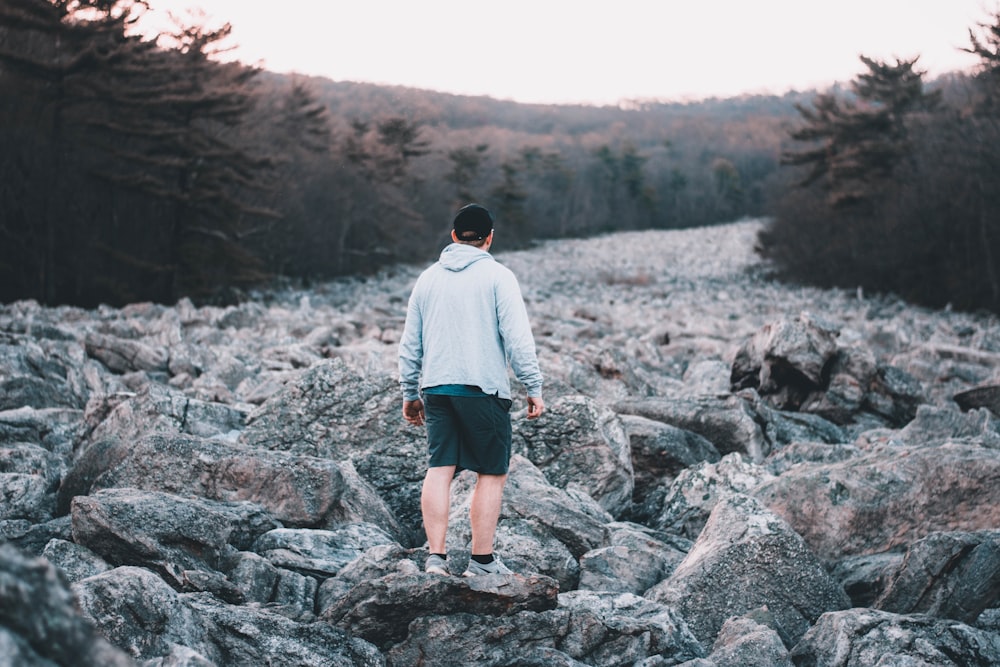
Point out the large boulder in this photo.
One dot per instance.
(139, 612)
(729, 421)
(332, 411)
(692, 496)
(298, 490)
(661, 451)
(578, 442)
(887, 498)
(863, 637)
(586, 629)
(745, 558)
(381, 610)
(948, 575)
(166, 533)
(39, 621)
(786, 360)
(569, 515)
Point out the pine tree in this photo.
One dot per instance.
(859, 141)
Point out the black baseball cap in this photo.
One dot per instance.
(473, 223)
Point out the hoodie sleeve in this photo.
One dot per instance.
(515, 330)
(411, 350)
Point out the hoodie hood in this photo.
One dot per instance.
(460, 256)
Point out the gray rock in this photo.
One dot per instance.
(381, 610)
(888, 498)
(137, 610)
(795, 453)
(580, 442)
(862, 637)
(933, 426)
(298, 490)
(166, 533)
(746, 557)
(74, 561)
(948, 575)
(728, 421)
(29, 478)
(158, 409)
(39, 623)
(122, 355)
(661, 451)
(319, 552)
(864, 578)
(745, 642)
(655, 628)
(617, 631)
(785, 360)
(694, 493)
(568, 515)
(333, 412)
(635, 559)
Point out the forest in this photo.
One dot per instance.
(137, 169)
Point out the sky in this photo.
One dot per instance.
(591, 51)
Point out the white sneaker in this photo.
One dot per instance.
(496, 567)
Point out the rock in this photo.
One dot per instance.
(747, 557)
(864, 578)
(587, 628)
(635, 559)
(165, 533)
(74, 561)
(380, 610)
(296, 490)
(158, 409)
(123, 356)
(654, 629)
(870, 637)
(54, 429)
(887, 498)
(947, 575)
(694, 493)
(746, 642)
(319, 552)
(795, 453)
(785, 360)
(570, 516)
(39, 623)
(661, 451)
(895, 395)
(933, 426)
(729, 422)
(579, 442)
(136, 609)
(29, 478)
(333, 412)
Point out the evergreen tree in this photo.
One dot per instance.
(859, 142)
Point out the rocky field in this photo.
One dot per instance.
(731, 472)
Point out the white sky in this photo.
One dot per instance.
(593, 51)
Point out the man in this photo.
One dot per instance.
(465, 322)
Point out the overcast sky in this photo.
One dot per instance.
(591, 51)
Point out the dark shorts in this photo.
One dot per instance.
(470, 432)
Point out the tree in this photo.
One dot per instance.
(858, 142)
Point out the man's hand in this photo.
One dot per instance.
(413, 412)
(536, 406)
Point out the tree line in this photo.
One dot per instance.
(895, 187)
(140, 168)
(136, 168)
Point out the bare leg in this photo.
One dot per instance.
(485, 512)
(435, 503)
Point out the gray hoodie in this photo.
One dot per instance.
(466, 323)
